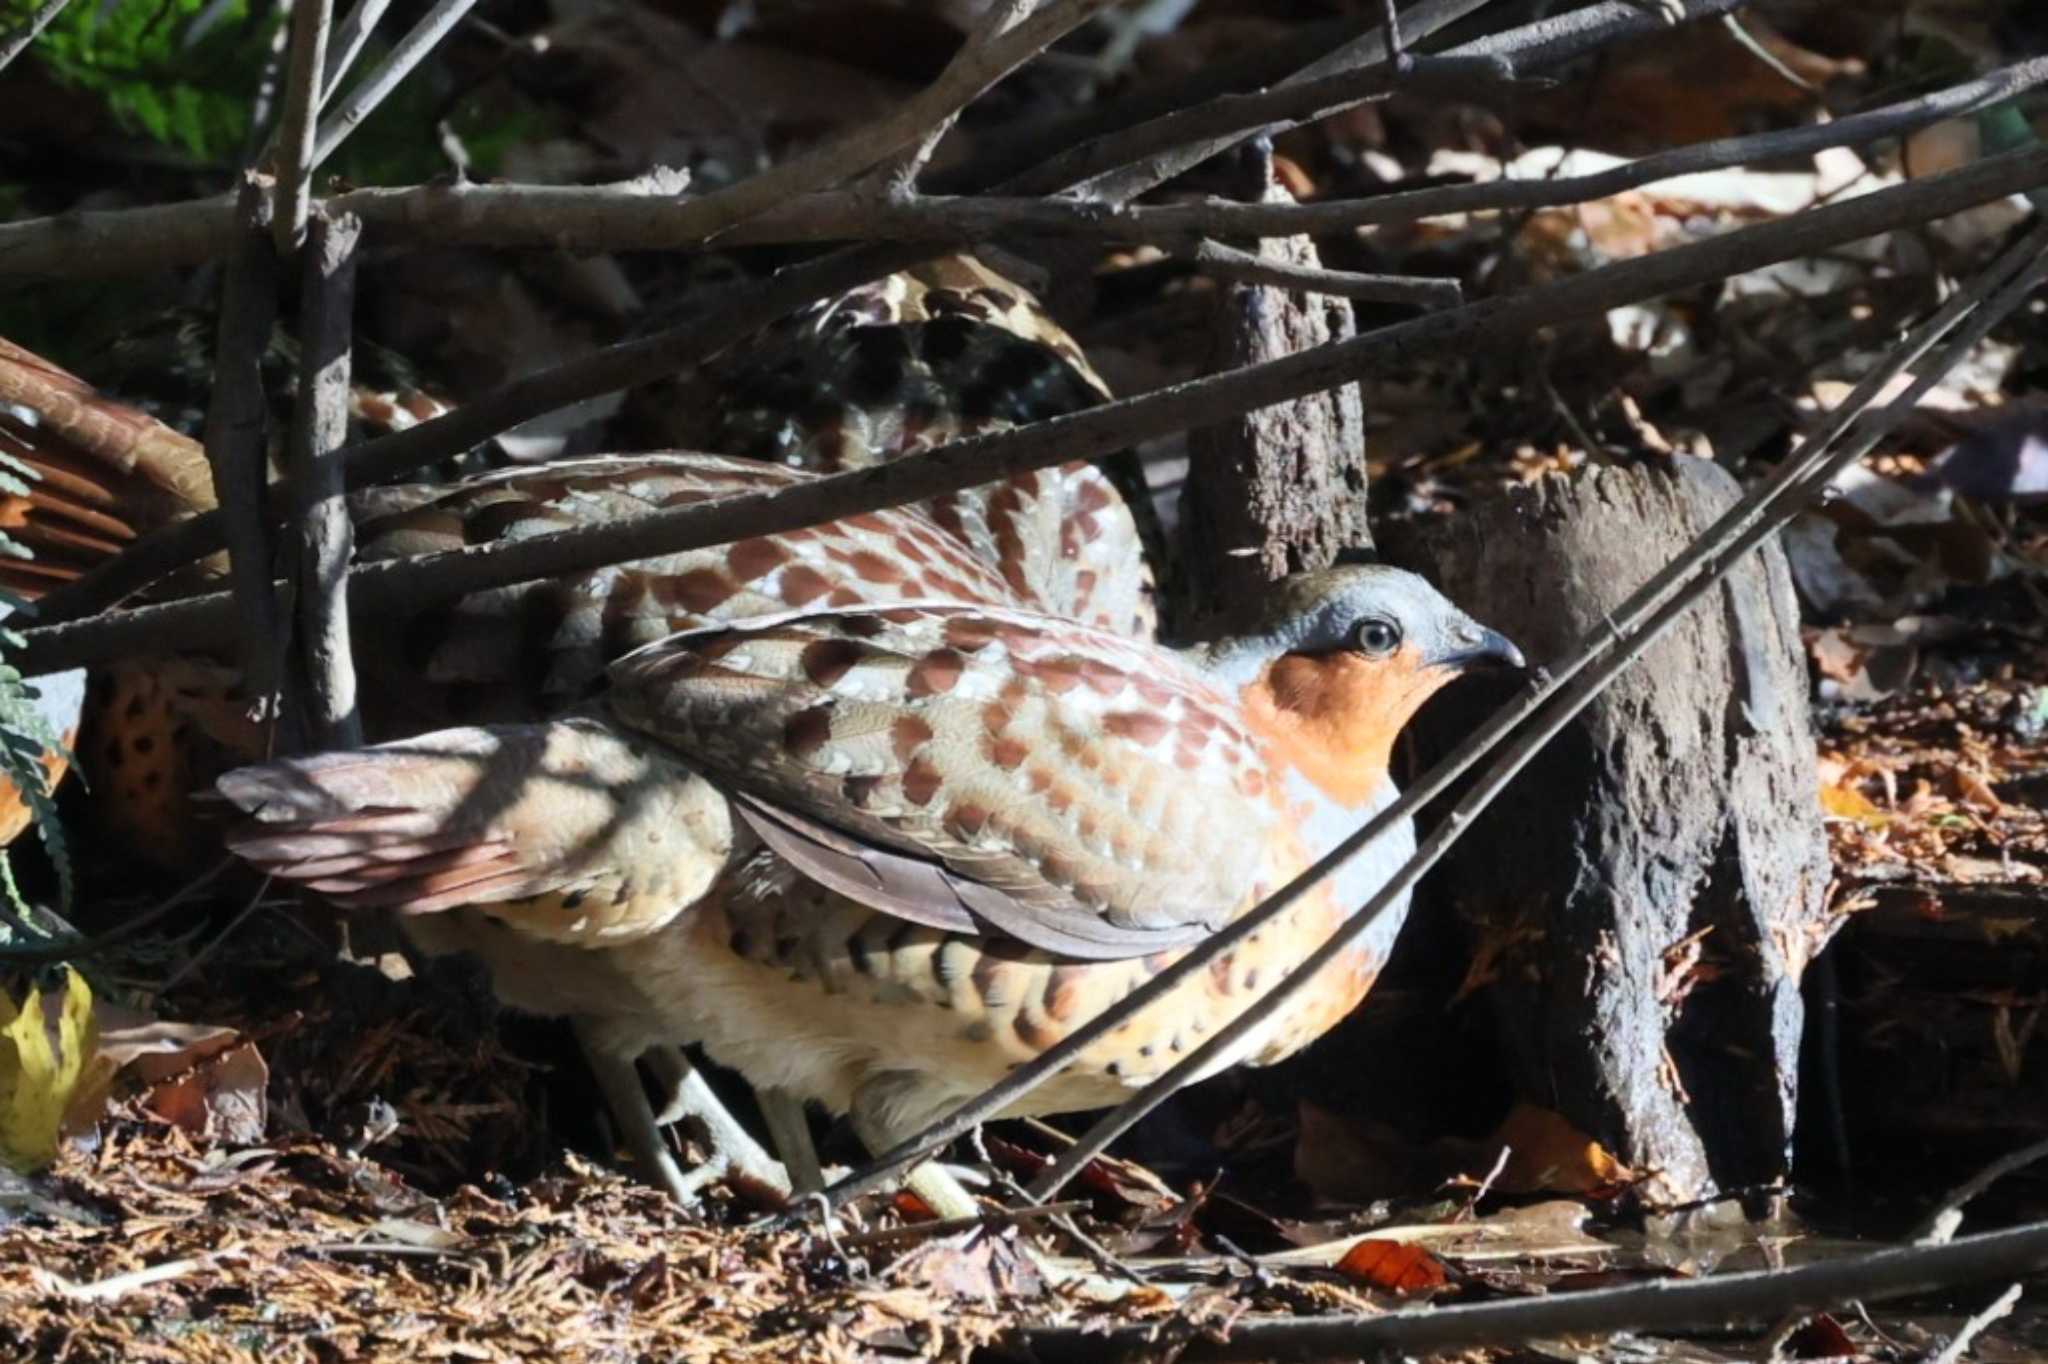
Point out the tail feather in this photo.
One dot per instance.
(567, 831)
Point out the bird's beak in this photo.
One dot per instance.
(1472, 645)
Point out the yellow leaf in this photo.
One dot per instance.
(39, 1072)
(1844, 802)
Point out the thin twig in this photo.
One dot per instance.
(1996, 1310)
(1335, 80)
(1010, 149)
(306, 62)
(1662, 1305)
(720, 319)
(362, 101)
(16, 43)
(325, 535)
(1118, 168)
(994, 1217)
(1523, 50)
(72, 948)
(1227, 262)
(350, 36)
(1941, 1224)
(396, 584)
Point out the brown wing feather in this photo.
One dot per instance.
(1105, 791)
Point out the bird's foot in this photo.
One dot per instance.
(737, 1157)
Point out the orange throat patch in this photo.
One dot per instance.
(1334, 716)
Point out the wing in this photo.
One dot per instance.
(1053, 782)
(529, 650)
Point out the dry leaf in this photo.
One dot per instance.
(221, 1099)
(1547, 1153)
(1846, 802)
(1821, 1337)
(1394, 1266)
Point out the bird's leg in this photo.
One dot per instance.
(620, 1084)
(876, 1122)
(687, 1094)
(790, 1130)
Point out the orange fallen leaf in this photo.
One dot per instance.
(1547, 1154)
(1394, 1266)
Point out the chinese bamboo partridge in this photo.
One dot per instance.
(875, 856)
(948, 350)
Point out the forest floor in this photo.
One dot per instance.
(291, 1147)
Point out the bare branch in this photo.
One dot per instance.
(1227, 262)
(16, 43)
(723, 318)
(636, 215)
(237, 416)
(1661, 1305)
(1331, 80)
(1006, 151)
(1113, 426)
(362, 101)
(324, 533)
(307, 61)
(347, 44)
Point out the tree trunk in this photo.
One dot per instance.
(1282, 488)
(1644, 900)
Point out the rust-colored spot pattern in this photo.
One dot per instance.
(1080, 771)
(535, 647)
(935, 354)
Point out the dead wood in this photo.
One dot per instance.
(1652, 889)
(1277, 489)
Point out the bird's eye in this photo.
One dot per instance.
(1377, 636)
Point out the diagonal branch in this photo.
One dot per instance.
(1353, 73)
(1662, 1305)
(362, 101)
(403, 584)
(350, 36)
(17, 42)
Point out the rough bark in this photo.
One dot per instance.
(1282, 488)
(1648, 899)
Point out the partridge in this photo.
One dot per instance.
(914, 360)
(876, 856)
